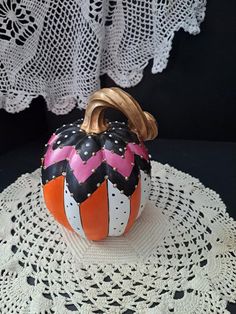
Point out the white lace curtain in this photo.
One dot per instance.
(59, 48)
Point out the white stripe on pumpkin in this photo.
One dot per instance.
(119, 210)
(72, 210)
(145, 190)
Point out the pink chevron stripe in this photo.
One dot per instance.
(83, 171)
(59, 154)
(52, 139)
(139, 150)
(122, 165)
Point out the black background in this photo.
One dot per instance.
(193, 100)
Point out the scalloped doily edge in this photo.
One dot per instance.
(63, 105)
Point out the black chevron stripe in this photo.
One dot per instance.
(143, 164)
(80, 191)
(54, 171)
(72, 126)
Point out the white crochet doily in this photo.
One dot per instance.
(59, 49)
(178, 258)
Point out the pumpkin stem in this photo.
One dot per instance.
(140, 122)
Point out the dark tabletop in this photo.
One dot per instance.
(213, 163)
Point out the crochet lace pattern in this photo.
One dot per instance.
(178, 258)
(59, 49)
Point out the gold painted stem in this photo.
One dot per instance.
(141, 122)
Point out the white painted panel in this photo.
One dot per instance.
(72, 210)
(145, 190)
(119, 210)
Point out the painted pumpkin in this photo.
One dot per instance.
(96, 174)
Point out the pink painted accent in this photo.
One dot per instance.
(83, 171)
(52, 139)
(139, 150)
(59, 154)
(122, 165)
